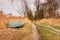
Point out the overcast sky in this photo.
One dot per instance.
(8, 8)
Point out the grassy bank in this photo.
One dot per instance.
(48, 33)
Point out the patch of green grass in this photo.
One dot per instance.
(47, 35)
(48, 24)
(56, 26)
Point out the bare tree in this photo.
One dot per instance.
(28, 11)
(52, 8)
(43, 10)
(47, 9)
(11, 2)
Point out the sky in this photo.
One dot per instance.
(17, 5)
(8, 8)
(13, 8)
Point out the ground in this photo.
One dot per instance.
(14, 33)
(49, 29)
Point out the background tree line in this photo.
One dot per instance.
(43, 10)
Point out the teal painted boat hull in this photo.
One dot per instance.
(16, 24)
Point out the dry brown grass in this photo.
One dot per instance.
(55, 21)
(4, 21)
(14, 33)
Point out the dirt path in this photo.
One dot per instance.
(35, 35)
